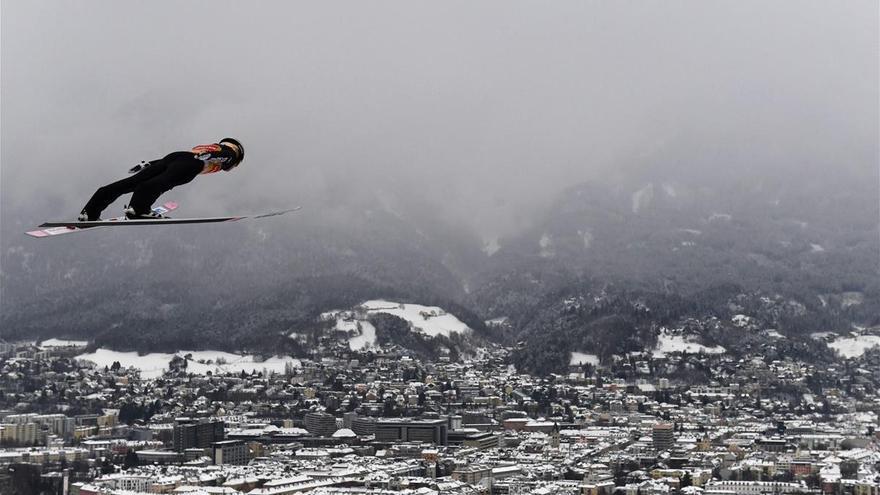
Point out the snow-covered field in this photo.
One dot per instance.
(850, 347)
(364, 333)
(154, 364)
(63, 343)
(677, 343)
(367, 337)
(578, 358)
(430, 320)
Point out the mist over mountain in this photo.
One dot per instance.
(562, 167)
(682, 250)
(610, 266)
(179, 283)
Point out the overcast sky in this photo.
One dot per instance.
(482, 107)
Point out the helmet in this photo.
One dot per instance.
(239, 155)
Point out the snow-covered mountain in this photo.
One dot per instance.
(681, 248)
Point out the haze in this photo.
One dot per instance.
(484, 110)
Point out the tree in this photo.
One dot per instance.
(107, 466)
(388, 408)
(25, 478)
(131, 460)
(686, 480)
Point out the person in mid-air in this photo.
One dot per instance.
(151, 179)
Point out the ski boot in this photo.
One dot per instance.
(85, 217)
(150, 215)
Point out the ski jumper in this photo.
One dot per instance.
(160, 176)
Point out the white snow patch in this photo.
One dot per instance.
(49, 343)
(867, 417)
(501, 320)
(678, 343)
(741, 320)
(491, 246)
(848, 299)
(367, 337)
(329, 315)
(430, 320)
(851, 347)
(669, 190)
(579, 358)
(349, 322)
(816, 248)
(720, 216)
(154, 364)
(642, 198)
(344, 433)
(822, 335)
(546, 244)
(346, 324)
(691, 231)
(587, 236)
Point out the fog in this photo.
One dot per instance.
(484, 110)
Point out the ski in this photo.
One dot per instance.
(145, 221)
(122, 221)
(62, 228)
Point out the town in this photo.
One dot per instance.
(383, 422)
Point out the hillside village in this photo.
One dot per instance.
(375, 420)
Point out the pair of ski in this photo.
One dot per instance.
(51, 229)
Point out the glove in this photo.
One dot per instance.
(140, 166)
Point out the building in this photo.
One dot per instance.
(131, 483)
(230, 452)
(19, 434)
(190, 433)
(663, 436)
(425, 430)
(752, 487)
(482, 441)
(363, 425)
(320, 424)
(771, 444)
(159, 457)
(475, 474)
(515, 424)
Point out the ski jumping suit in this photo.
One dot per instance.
(159, 176)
